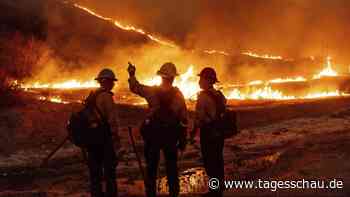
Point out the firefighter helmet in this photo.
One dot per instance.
(209, 73)
(106, 74)
(167, 70)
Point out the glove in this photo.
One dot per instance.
(131, 70)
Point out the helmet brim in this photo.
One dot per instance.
(100, 78)
(160, 73)
(215, 80)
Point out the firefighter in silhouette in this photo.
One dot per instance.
(102, 159)
(211, 141)
(164, 128)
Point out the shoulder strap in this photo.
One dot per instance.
(101, 115)
(91, 101)
(220, 106)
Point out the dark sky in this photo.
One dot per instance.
(282, 27)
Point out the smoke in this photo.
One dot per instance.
(83, 44)
(290, 28)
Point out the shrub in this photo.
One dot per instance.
(19, 56)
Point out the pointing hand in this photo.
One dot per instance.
(131, 69)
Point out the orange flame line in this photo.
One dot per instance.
(126, 27)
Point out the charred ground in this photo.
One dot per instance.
(303, 143)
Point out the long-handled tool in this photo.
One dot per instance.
(136, 153)
(46, 160)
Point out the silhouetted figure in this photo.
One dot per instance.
(211, 139)
(102, 159)
(164, 128)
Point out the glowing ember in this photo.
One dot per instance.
(54, 99)
(249, 53)
(71, 84)
(328, 71)
(193, 180)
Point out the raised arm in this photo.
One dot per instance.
(136, 87)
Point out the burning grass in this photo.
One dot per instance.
(327, 83)
(188, 82)
(255, 89)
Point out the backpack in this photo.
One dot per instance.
(225, 121)
(164, 124)
(164, 115)
(82, 131)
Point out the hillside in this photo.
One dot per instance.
(79, 39)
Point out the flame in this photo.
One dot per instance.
(126, 27)
(268, 93)
(281, 80)
(157, 80)
(163, 42)
(265, 56)
(215, 51)
(54, 99)
(328, 71)
(278, 80)
(261, 93)
(70, 84)
(257, 82)
(325, 94)
(249, 53)
(187, 83)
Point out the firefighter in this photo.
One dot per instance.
(102, 159)
(164, 128)
(211, 141)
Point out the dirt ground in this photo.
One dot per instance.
(278, 141)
